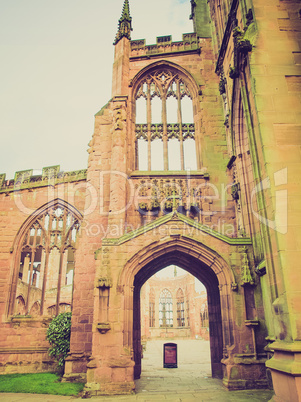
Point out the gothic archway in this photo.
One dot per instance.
(207, 266)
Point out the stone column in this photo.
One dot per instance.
(165, 139)
(118, 177)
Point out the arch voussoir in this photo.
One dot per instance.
(184, 247)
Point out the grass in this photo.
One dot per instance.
(41, 383)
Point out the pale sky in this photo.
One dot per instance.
(56, 71)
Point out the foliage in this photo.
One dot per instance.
(58, 335)
(40, 383)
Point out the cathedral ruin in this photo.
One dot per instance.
(194, 162)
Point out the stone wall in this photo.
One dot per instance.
(23, 344)
(194, 304)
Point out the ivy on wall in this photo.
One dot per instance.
(58, 335)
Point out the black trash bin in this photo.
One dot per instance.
(170, 355)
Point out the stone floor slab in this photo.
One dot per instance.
(190, 382)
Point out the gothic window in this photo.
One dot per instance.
(180, 309)
(165, 131)
(46, 263)
(165, 309)
(152, 308)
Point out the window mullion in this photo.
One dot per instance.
(44, 278)
(180, 125)
(58, 294)
(149, 122)
(15, 284)
(164, 137)
(33, 252)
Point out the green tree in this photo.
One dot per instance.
(58, 335)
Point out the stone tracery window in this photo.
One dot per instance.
(46, 263)
(165, 309)
(165, 130)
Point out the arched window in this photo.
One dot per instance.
(45, 258)
(35, 309)
(180, 309)
(152, 308)
(20, 306)
(165, 309)
(165, 123)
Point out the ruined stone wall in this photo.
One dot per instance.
(114, 342)
(193, 306)
(116, 237)
(211, 144)
(23, 344)
(258, 60)
(259, 66)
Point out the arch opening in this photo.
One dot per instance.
(207, 277)
(174, 309)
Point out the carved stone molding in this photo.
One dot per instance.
(246, 276)
(103, 327)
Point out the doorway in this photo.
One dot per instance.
(200, 272)
(174, 309)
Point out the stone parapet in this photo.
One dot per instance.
(164, 45)
(50, 176)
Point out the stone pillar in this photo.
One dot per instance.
(118, 177)
(121, 68)
(285, 366)
(42, 270)
(164, 138)
(110, 369)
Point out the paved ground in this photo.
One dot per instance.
(190, 382)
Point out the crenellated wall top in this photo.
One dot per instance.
(164, 44)
(51, 175)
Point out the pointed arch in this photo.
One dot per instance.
(171, 86)
(41, 255)
(166, 64)
(199, 260)
(35, 309)
(173, 248)
(57, 202)
(20, 305)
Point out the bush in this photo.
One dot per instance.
(58, 335)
